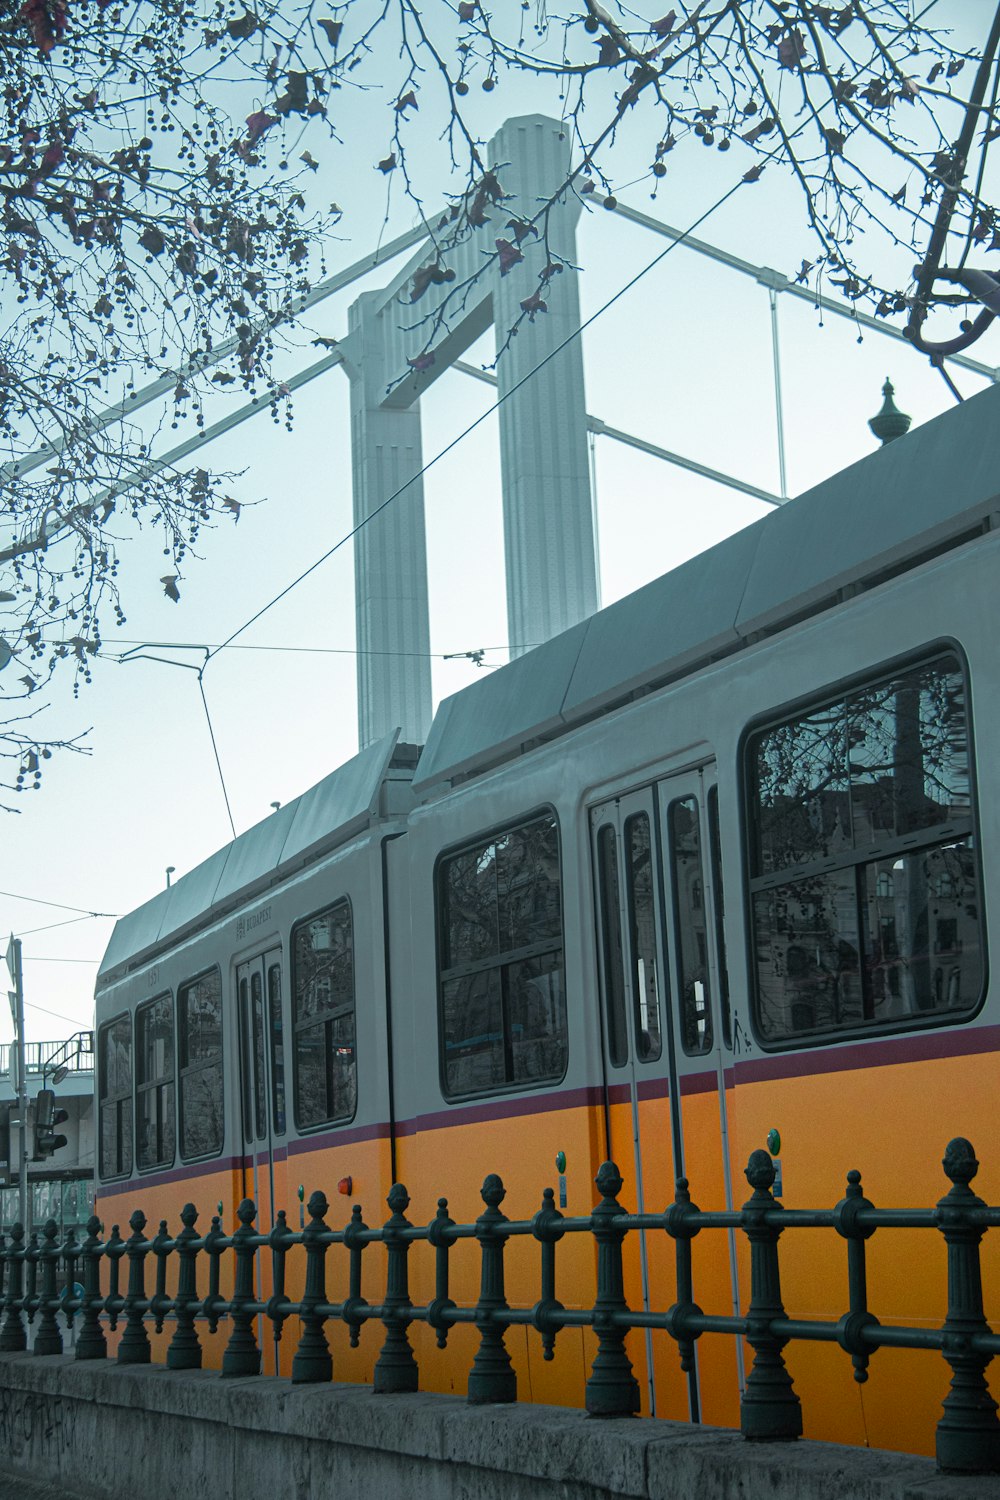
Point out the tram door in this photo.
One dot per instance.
(660, 977)
(262, 1099)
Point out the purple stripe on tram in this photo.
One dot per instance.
(699, 1083)
(926, 1046)
(653, 1088)
(349, 1136)
(502, 1109)
(183, 1173)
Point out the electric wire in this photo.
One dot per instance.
(73, 1020)
(460, 437)
(574, 334)
(48, 928)
(38, 958)
(60, 905)
(215, 749)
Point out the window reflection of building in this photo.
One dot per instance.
(503, 1002)
(325, 1071)
(865, 901)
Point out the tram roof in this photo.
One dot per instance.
(918, 494)
(324, 816)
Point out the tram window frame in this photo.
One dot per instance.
(122, 1099)
(648, 1039)
(188, 1071)
(692, 1016)
(498, 963)
(328, 1020)
(276, 1046)
(865, 859)
(609, 917)
(156, 1085)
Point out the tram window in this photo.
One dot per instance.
(115, 1064)
(277, 1049)
(199, 1004)
(715, 853)
(864, 883)
(642, 932)
(325, 1074)
(246, 1085)
(689, 925)
(611, 944)
(154, 1084)
(503, 996)
(259, 1062)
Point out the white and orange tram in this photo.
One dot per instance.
(716, 863)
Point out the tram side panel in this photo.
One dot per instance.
(908, 1060)
(504, 1050)
(214, 1104)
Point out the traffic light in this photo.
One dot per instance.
(47, 1117)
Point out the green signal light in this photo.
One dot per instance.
(773, 1142)
(560, 1161)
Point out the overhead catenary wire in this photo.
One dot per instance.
(477, 422)
(678, 238)
(69, 922)
(59, 905)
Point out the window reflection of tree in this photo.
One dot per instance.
(115, 1049)
(155, 1082)
(855, 783)
(503, 1004)
(201, 1090)
(323, 1013)
(642, 934)
(689, 917)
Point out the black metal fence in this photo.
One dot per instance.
(968, 1434)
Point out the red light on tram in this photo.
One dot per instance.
(346, 1186)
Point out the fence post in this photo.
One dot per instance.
(312, 1360)
(91, 1344)
(279, 1240)
(113, 1250)
(69, 1252)
(852, 1325)
(353, 1309)
(48, 1339)
(968, 1434)
(212, 1306)
(31, 1254)
(769, 1408)
(14, 1335)
(547, 1228)
(242, 1357)
(438, 1236)
(396, 1368)
(612, 1389)
(184, 1351)
(682, 1232)
(161, 1304)
(492, 1375)
(134, 1347)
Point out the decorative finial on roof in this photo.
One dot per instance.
(890, 422)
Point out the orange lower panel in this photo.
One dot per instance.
(828, 1123)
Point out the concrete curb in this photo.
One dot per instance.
(123, 1430)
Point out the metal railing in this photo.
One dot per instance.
(968, 1434)
(38, 1054)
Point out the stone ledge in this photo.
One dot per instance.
(194, 1429)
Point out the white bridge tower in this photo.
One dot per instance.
(551, 568)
